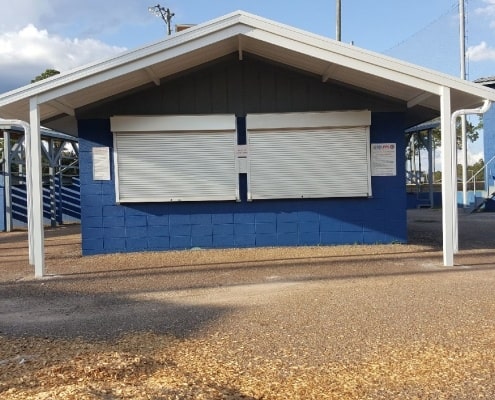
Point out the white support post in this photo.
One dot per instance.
(430, 167)
(51, 173)
(448, 204)
(464, 161)
(29, 190)
(7, 153)
(35, 173)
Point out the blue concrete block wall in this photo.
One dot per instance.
(108, 227)
(489, 143)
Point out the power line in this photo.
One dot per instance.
(454, 6)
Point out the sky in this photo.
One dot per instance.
(36, 35)
(62, 34)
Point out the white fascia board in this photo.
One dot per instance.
(330, 119)
(173, 123)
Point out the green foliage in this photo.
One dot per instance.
(472, 132)
(48, 73)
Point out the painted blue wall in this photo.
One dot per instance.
(489, 143)
(109, 228)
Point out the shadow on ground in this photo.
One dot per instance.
(29, 309)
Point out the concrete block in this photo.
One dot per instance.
(179, 219)
(114, 232)
(287, 227)
(159, 243)
(201, 219)
(266, 239)
(309, 227)
(287, 239)
(266, 217)
(202, 241)
(136, 244)
(159, 220)
(309, 238)
(158, 231)
(133, 221)
(221, 219)
(266, 228)
(245, 240)
(180, 229)
(114, 245)
(180, 242)
(136, 232)
(244, 218)
(109, 222)
(222, 241)
(202, 230)
(223, 229)
(243, 229)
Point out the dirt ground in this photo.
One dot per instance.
(337, 322)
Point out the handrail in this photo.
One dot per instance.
(481, 169)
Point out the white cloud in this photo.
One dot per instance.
(481, 52)
(473, 158)
(27, 53)
(488, 9)
(83, 19)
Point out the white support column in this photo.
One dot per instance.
(448, 190)
(29, 190)
(464, 161)
(51, 173)
(430, 167)
(7, 153)
(35, 173)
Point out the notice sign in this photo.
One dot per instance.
(383, 159)
(101, 163)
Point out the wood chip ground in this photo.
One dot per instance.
(347, 322)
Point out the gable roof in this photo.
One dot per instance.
(241, 32)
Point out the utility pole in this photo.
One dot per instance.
(163, 13)
(338, 20)
(464, 161)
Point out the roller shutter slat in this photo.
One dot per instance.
(176, 166)
(313, 163)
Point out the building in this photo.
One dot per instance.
(245, 132)
(489, 141)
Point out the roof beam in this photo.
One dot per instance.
(240, 49)
(151, 74)
(418, 99)
(58, 105)
(372, 65)
(328, 73)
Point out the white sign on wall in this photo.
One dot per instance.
(383, 159)
(101, 163)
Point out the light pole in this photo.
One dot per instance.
(338, 20)
(163, 13)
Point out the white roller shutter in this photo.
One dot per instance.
(309, 161)
(186, 164)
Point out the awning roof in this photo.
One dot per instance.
(241, 32)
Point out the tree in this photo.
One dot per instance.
(49, 72)
(472, 132)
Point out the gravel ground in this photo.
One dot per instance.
(343, 322)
